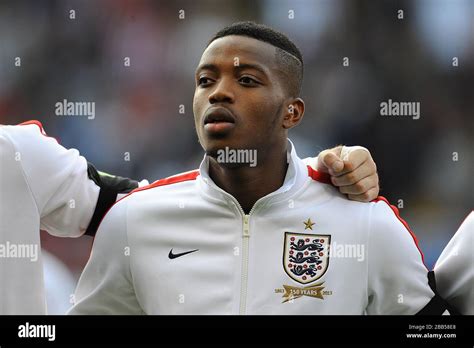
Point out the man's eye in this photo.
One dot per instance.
(247, 80)
(203, 81)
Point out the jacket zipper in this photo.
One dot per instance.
(245, 264)
(245, 257)
(245, 251)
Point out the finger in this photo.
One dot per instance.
(353, 177)
(329, 162)
(359, 187)
(356, 158)
(366, 196)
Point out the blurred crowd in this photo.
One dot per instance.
(398, 50)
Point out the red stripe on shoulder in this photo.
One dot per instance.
(36, 122)
(162, 182)
(397, 214)
(192, 175)
(40, 125)
(319, 176)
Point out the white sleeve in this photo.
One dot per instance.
(397, 277)
(105, 286)
(454, 269)
(57, 178)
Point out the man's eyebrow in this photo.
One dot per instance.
(211, 67)
(241, 66)
(257, 67)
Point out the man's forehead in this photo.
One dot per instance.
(242, 47)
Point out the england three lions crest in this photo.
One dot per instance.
(306, 256)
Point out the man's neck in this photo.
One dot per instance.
(249, 184)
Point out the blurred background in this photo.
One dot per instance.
(407, 56)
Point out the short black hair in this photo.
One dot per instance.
(288, 55)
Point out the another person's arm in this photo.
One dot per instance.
(70, 194)
(454, 269)
(56, 178)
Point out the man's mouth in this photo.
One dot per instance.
(218, 121)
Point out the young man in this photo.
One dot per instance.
(454, 269)
(234, 238)
(43, 185)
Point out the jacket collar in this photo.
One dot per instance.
(296, 176)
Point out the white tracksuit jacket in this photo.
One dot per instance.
(455, 268)
(42, 185)
(184, 246)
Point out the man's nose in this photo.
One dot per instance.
(222, 92)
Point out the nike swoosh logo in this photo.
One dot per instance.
(173, 256)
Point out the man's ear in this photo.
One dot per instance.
(293, 113)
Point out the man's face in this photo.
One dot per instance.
(239, 101)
